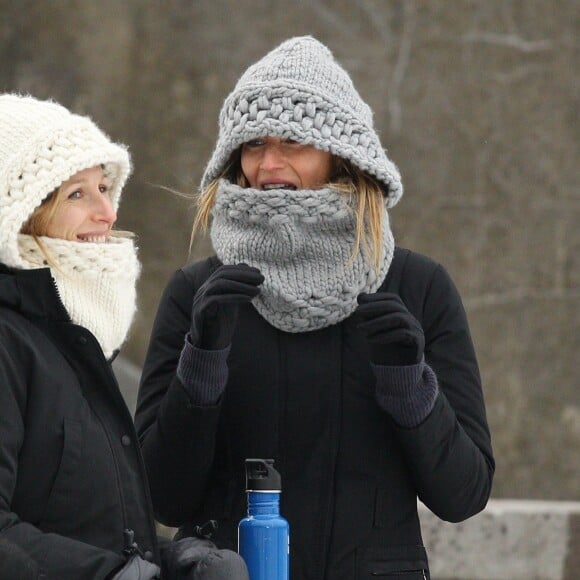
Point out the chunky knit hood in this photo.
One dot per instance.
(42, 144)
(298, 91)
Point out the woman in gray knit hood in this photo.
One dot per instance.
(310, 338)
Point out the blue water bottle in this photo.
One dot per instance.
(263, 536)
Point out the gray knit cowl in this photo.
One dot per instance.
(302, 241)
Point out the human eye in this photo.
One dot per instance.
(104, 188)
(76, 194)
(253, 143)
(291, 145)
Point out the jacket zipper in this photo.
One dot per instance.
(57, 292)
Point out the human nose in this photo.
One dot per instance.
(103, 210)
(272, 158)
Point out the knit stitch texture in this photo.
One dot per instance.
(42, 144)
(95, 282)
(298, 91)
(407, 393)
(302, 241)
(203, 373)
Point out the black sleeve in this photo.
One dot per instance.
(450, 453)
(177, 438)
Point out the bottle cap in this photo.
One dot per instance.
(261, 475)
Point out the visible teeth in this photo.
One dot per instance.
(93, 239)
(269, 186)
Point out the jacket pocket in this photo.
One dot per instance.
(62, 505)
(402, 562)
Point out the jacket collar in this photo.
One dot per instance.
(33, 293)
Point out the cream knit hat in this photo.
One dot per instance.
(42, 144)
(298, 91)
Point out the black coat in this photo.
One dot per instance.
(350, 475)
(71, 474)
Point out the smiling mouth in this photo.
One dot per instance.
(270, 186)
(93, 239)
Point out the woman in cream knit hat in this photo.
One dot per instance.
(73, 492)
(310, 338)
(73, 488)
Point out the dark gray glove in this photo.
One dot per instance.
(200, 559)
(395, 336)
(138, 569)
(214, 313)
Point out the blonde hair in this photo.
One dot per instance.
(364, 191)
(37, 224)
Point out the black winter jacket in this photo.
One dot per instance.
(350, 475)
(71, 474)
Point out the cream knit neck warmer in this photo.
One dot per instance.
(302, 242)
(95, 282)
